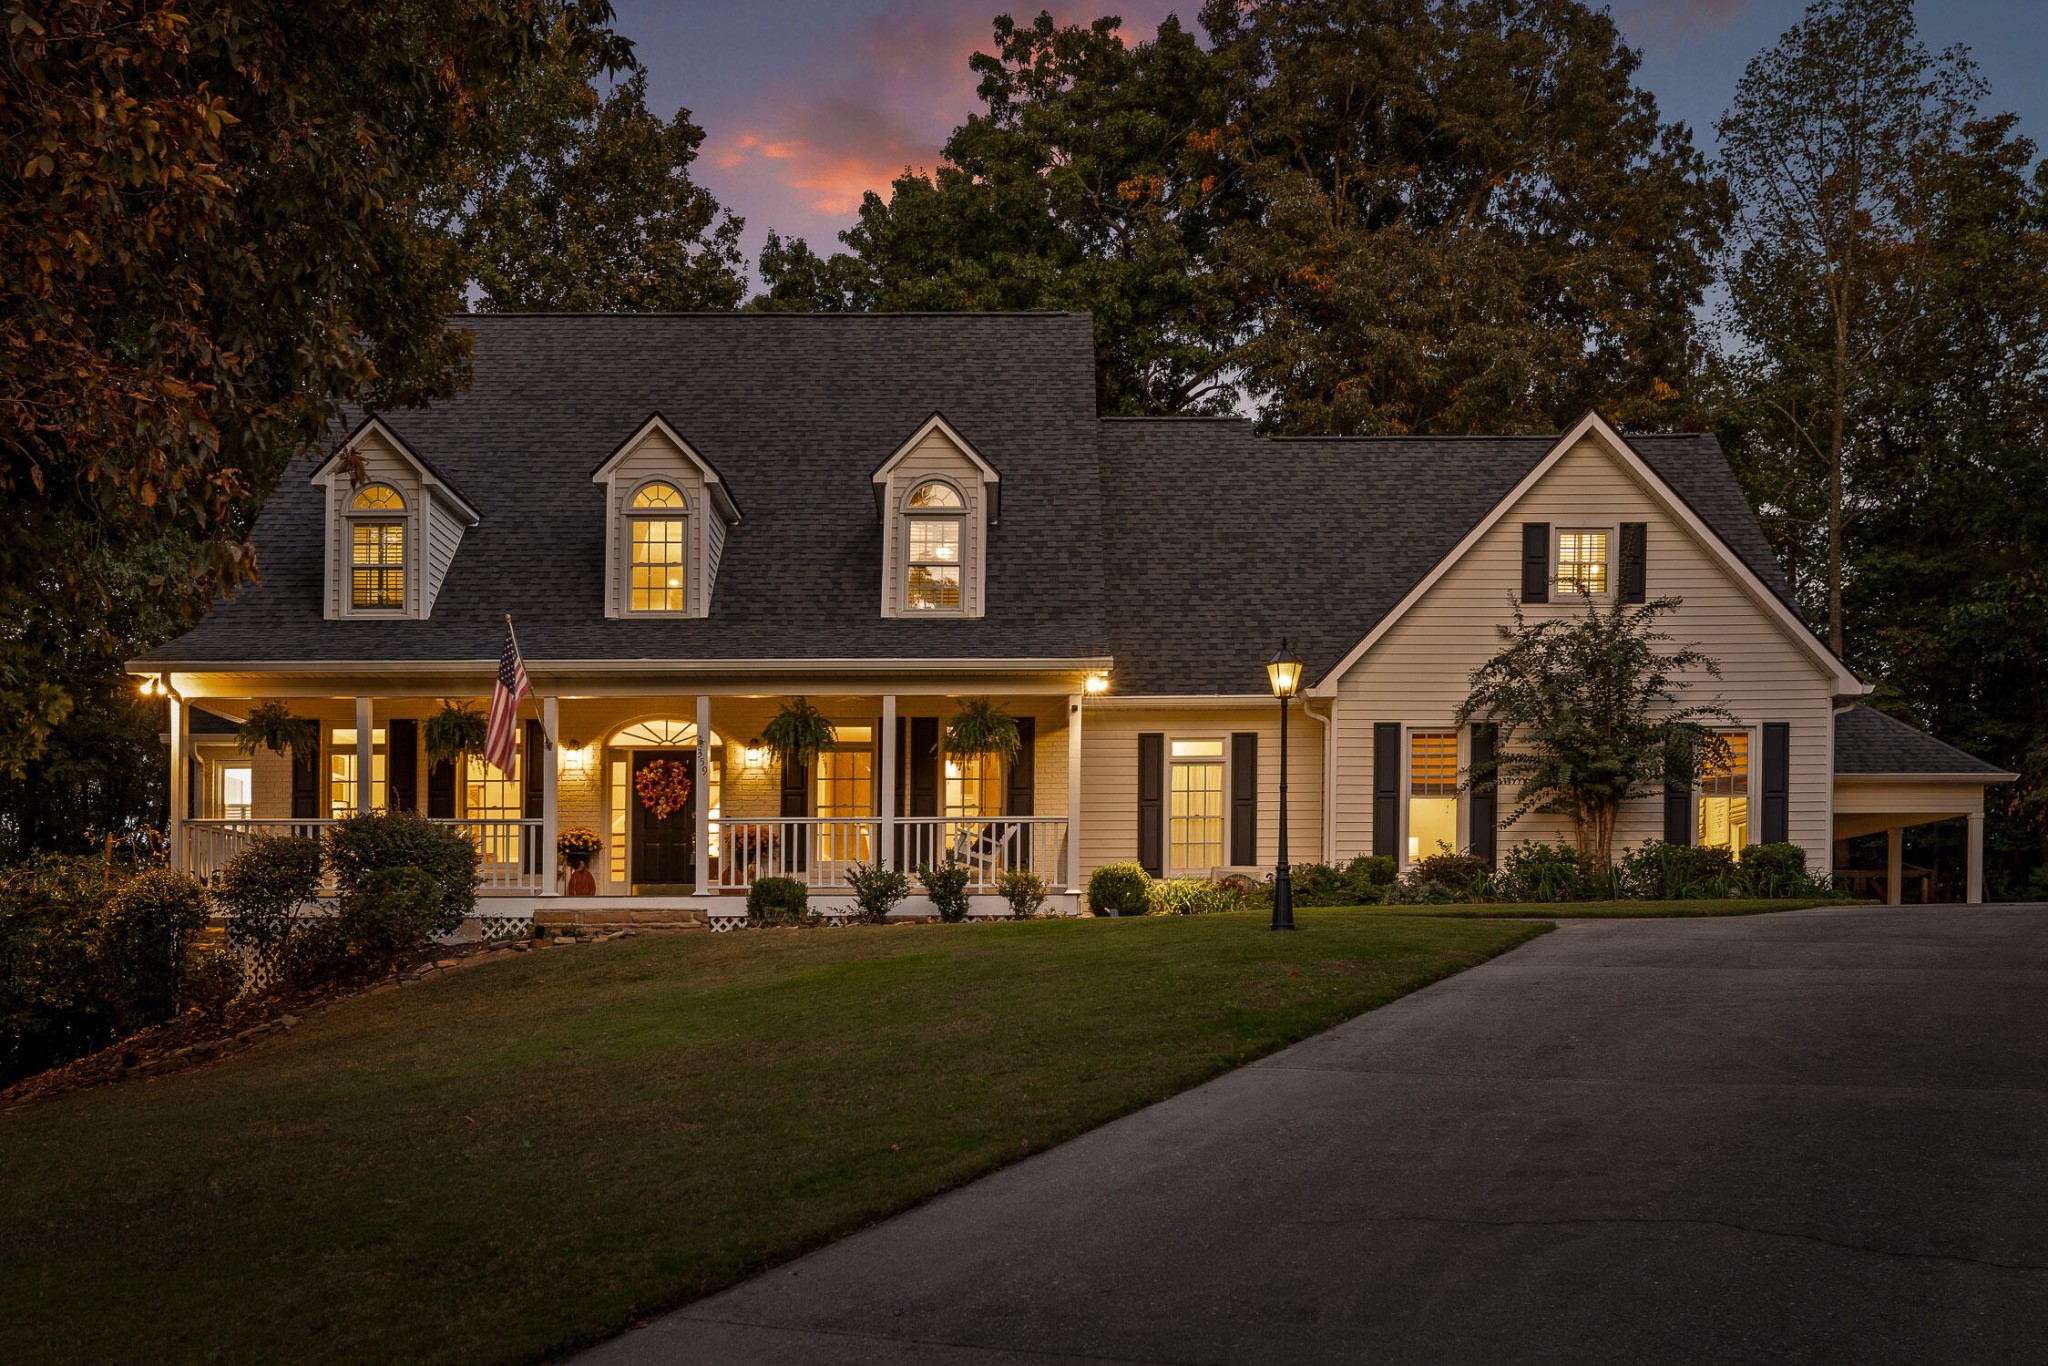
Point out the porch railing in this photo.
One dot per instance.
(819, 852)
(510, 857)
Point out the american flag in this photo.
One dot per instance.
(501, 738)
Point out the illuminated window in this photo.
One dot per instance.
(845, 789)
(1582, 561)
(1724, 796)
(974, 786)
(1194, 817)
(1432, 793)
(341, 772)
(237, 792)
(376, 554)
(935, 533)
(654, 527)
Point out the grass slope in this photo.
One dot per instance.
(531, 1155)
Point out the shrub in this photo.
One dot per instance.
(1416, 890)
(946, 885)
(1544, 872)
(1461, 873)
(261, 889)
(1023, 889)
(777, 900)
(361, 848)
(1246, 891)
(1371, 872)
(1361, 882)
(54, 1005)
(1193, 896)
(1655, 870)
(213, 979)
(1119, 889)
(877, 890)
(148, 929)
(1777, 869)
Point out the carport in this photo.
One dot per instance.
(1890, 777)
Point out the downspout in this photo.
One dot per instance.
(1329, 823)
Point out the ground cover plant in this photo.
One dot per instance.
(508, 1162)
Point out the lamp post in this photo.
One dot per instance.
(1283, 671)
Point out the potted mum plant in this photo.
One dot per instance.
(578, 845)
(454, 733)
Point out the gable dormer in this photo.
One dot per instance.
(667, 512)
(393, 525)
(937, 497)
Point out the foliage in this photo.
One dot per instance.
(1361, 882)
(1412, 889)
(149, 927)
(663, 786)
(261, 890)
(456, 732)
(579, 842)
(363, 850)
(797, 734)
(877, 890)
(1192, 896)
(946, 884)
(1545, 872)
(1459, 872)
(213, 979)
(1023, 889)
(271, 726)
(777, 900)
(1778, 870)
(1119, 889)
(1660, 871)
(982, 727)
(388, 915)
(215, 242)
(1590, 715)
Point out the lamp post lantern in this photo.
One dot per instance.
(1283, 671)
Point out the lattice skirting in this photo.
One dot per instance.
(262, 971)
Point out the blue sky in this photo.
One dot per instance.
(806, 103)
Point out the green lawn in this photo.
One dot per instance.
(533, 1154)
(1610, 910)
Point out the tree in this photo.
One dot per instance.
(214, 229)
(582, 200)
(1463, 216)
(1826, 147)
(1091, 181)
(1591, 714)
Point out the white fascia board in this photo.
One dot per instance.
(713, 482)
(640, 666)
(1846, 684)
(1179, 701)
(1955, 779)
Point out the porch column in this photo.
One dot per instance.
(703, 795)
(174, 821)
(1894, 867)
(362, 756)
(1074, 792)
(550, 767)
(886, 856)
(1975, 883)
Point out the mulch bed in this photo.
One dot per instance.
(193, 1039)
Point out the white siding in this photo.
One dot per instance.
(443, 539)
(935, 457)
(383, 465)
(656, 457)
(1419, 671)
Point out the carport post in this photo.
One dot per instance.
(1894, 867)
(1975, 893)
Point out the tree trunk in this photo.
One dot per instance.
(1836, 423)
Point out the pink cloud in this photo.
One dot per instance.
(1669, 21)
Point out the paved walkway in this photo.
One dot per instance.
(1820, 1136)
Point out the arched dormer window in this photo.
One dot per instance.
(376, 549)
(934, 535)
(658, 575)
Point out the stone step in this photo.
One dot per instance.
(621, 918)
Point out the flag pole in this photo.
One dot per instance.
(522, 663)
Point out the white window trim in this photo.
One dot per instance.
(628, 515)
(409, 561)
(1166, 835)
(1753, 772)
(1463, 760)
(964, 516)
(1611, 530)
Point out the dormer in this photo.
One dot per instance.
(937, 498)
(393, 525)
(667, 512)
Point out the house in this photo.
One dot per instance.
(692, 518)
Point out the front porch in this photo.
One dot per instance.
(884, 793)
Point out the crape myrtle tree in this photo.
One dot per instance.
(1592, 713)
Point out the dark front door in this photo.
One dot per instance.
(664, 848)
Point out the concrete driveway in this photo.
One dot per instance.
(1820, 1136)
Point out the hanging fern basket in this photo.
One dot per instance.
(455, 732)
(797, 734)
(981, 727)
(273, 727)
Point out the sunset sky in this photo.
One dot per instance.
(807, 103)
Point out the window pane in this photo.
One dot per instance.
(1198, 749)
(934, 496)
(933, 587)
(1432, 826)
(934, 539)
(1433, 764)
(1194, 825)
(657, 574)
(377, 564)
(845, 791)
(1724, 796)
(1582, 561)
(974, 786)
(377, 496)
(658, 496)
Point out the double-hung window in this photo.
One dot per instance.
(1724, 795)
(376, 550)
(1194, 818)
(658, 577)
(844, 780)
(934, 535)
(1582, 562)
(1432, 793)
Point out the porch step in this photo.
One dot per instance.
(626, 917)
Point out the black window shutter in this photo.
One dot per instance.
(1020, 794)
(402, 763)
(1535, 562)
(796, 790)
(1777, 813)
(1244, 799)
(306, 784)
(924, 766)
(195, 782)
(1635, 550)
(534, 746)
(1483, 806)
(1152, 804)
(1678, 815)
(1386, 789)
(441, 791)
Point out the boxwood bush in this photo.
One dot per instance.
(777, 900)
(1120, 889)
(946, 885)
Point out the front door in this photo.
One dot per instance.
(664, 847)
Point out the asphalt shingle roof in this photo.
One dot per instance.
(1870, 741)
